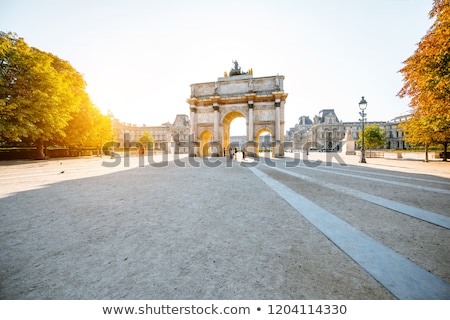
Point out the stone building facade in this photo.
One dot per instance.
(326, 132)
(168, 137)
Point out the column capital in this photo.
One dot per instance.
(250, 96)
(279, 96)
(215, 99)
(192, 101)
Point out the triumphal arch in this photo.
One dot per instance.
(213, 105)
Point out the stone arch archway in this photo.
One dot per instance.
(266, 144)
(225, 121)
(205, 143)
(214, 105)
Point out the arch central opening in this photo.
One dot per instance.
(264, 139)
(234, 131)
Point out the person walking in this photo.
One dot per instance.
(235, 153)
(243, 153)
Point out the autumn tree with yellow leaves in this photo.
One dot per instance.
(426, 76)
(43, 99)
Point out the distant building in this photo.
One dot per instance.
(238, 141)
(394, 134)
(168, 137)
(325, 132)
(264, 141)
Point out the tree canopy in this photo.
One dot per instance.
(374, 137)
(146, 140)
(426, 76)
(43, 98)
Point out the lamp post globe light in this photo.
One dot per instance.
(362, 107)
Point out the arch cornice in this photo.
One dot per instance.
(275, 96)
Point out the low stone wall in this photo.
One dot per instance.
(411, 155)
(374, 154)
(402, 155)
(57, 153)
(30, 153)
(392, 155)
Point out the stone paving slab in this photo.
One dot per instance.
(74, 229)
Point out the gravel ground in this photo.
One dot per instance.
(77, 229)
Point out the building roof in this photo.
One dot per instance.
(304, 120)
(327, 112)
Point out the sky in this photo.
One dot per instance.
(140, 57)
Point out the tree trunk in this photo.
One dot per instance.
(444, 156)
(40, 150)
(426, 152)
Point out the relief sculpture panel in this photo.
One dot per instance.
(264, 115)
(205, 117)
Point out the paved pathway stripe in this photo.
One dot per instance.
(353, 170)
(403, 278)
(402, 184)
(428, 216)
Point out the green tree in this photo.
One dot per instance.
(419, 131)
(14, 59)
(101, 131)
(426, 76)
(146, 139)
(374, 137)
(87, 128)
(76, 134)
(39, 92)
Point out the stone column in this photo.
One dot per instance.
(193, 121)
(193, 142)
(250, 144)
(251, 121)
(277, 150)
(216, 146)
(277, 120)
(216, 122)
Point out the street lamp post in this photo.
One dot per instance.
(363, 106)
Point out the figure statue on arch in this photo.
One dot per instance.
(236, 70)
(250, 85)
(277, 82)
